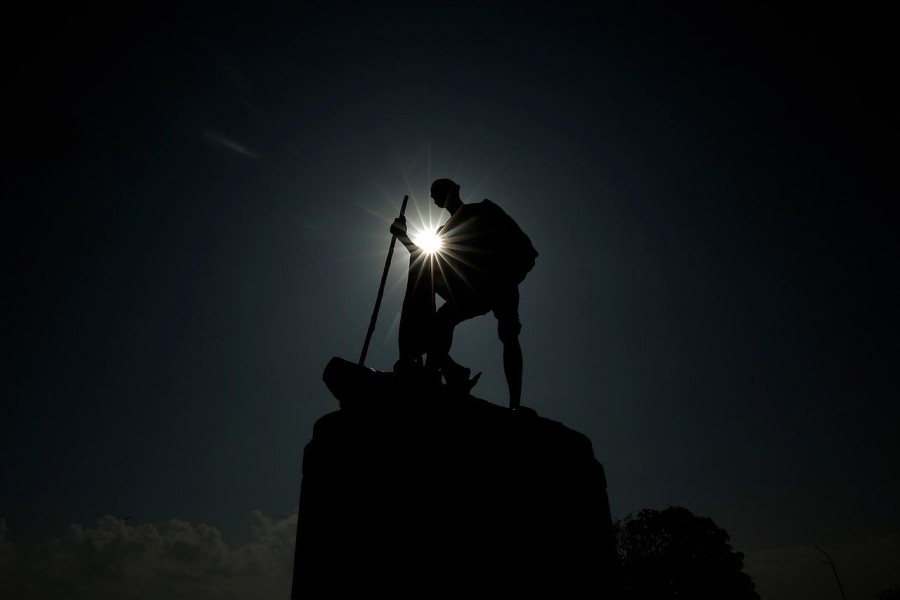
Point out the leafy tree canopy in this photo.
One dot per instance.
(674, 554)
(890, 594)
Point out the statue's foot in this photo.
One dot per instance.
(471, 383)
(413, 374)
(459, 380)
(455, 375)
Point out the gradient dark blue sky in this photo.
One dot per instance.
(196, 209)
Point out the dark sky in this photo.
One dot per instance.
(196, 210)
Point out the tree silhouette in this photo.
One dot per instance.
(675, 554)
(890, 594)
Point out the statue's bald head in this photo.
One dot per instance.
(444, 191)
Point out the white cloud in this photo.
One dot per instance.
(175, 560)
(864, 567)
(179, 560)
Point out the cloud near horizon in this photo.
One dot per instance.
(174, 560)
(179, 560)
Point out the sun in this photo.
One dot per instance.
(428, 240)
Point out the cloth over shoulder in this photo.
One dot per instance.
(483, 241)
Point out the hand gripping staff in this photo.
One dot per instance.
(384, 274)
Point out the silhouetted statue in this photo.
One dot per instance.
(483, 258)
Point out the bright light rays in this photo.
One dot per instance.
(428, 240)
(446, 256)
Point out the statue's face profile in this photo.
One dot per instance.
(440, 194)
(440, 199)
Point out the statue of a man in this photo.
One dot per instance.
(483, 258)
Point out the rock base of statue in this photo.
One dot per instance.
(415, 491)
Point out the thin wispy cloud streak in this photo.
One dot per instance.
(230, 144)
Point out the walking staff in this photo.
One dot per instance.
(384, 274)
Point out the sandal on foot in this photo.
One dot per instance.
(461, 381)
